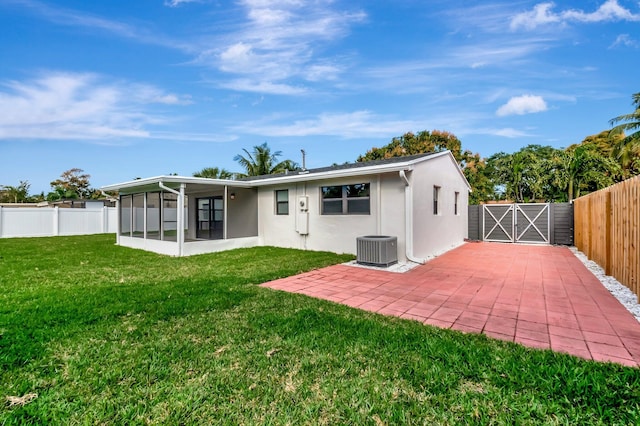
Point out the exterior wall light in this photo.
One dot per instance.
(232, 196)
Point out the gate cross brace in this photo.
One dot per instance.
(498, 222)
(531, 222)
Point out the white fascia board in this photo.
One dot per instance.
(332, 174)
(357, 171)
(460, 172)
(293, 177)
(171, 181)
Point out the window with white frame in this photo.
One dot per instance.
(436, 196)
(282, 201)
(346, 199)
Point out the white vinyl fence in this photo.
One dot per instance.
(54, 221)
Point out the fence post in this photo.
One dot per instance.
(0, 221)
(105, 217)
(56, 221)
(608, 237)
(589, 239)
(551, 214)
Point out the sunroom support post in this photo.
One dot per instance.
(225, 205)
(180, 214)
(145, 214)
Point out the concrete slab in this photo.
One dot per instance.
(535, 295)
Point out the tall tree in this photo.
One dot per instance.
(520, 176)
(261, 161)
(628, 156)
(609, 144)
(73, 183)
(473, 166)
(629, 125)
(411, 144)
(477, 173)
(587, 170)
(214, 173)
(15, 194)
(555, 175)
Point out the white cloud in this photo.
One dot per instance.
(540, 15)
(146, 94)
(263, 87)
(543, 14)
(508, 132)
(625, 40)
(75, 18)
(79, 106)
(193, 137)
(268, 17)
(322, 72)
(176, 3)
(489, 17)
(171, 99)
(525, 104)
(277, 44)
(494, 52)
(609, 11)
(451, 68)
(357, 124)
(505, 132)
(238, 58)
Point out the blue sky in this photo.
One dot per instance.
(126, 89)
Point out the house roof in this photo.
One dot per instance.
(337, 171)
(346, 166)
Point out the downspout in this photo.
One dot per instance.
(307, 218)
(408, 219)
(302, 215)
(378, 207)
(180, 214)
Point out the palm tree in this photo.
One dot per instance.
(15, 194)
(263, 162)
(520, 175)
(588, 170)
(627, 148)
(214, 173)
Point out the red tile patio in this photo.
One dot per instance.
(539, 296)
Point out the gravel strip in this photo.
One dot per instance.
(399, 268)
(619, 291)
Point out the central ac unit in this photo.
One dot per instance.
(377, 250)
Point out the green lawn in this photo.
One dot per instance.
(109, 335)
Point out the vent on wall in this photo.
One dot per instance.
(377, 250)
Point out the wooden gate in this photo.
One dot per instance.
(516, 223)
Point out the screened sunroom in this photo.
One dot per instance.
(151, 215)
(181, 216)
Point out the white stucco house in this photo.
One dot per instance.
(421, 199)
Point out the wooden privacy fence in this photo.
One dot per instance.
(607, 230)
